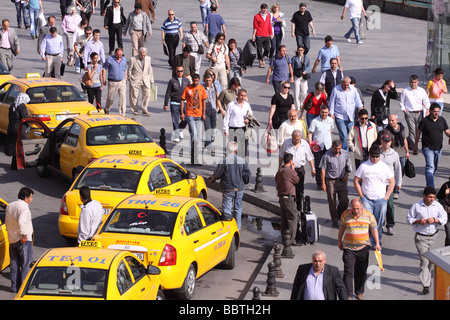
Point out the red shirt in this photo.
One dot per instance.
(263, 27)
(316, 103)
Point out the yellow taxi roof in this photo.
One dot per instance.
(98, 120)
(39, 82)
(124, 161)
(83, 257)
(155, 202)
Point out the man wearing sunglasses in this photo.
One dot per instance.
(361, 137)
(374, 182)
(114, 22)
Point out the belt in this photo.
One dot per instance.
(334, 179)
(427, 235)
(415, 111)
(137, 30)
(54, 55)
(70, 31)
(5, 48)
(114, 80)
(236, 128)
(288, 196)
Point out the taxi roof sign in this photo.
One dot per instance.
(90, 244)
(164, 192)
(31, 75)
(94, 112)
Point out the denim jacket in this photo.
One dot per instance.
(233, 172)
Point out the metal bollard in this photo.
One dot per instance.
(256, 294)
(271, 289)
(258, 185)
(162, 139)
(277, 261)
(287, 250)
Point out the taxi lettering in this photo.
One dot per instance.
(98, 119)
(76, 259)
(154, 202)
(118, 160)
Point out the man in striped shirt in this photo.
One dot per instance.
(171, 35)
(353, 239)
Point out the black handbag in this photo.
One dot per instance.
(410, 171)
(165, 50)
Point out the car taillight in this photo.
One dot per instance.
(168, 256)
(160, 155)
(63, 207)
(42, 117)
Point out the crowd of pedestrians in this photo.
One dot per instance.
(379, 141)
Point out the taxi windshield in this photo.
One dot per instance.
(141, 221)
(50, 94)
(68, 281)
(117, 134)
(109, 179)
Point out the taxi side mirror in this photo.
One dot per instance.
(152, 270)
(191, 175)
(226, 217)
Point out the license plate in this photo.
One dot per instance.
(140, 255)
(106, 211)
(60, 117)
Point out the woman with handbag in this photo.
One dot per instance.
(301, 68)
(380, 104)
(237, 65)
(93, 79)
(313, 102)
(281, 103)
(278, 24)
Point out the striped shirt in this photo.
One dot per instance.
(171, 27)
(356, 234)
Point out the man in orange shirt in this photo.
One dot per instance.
(194, 95)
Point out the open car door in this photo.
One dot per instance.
(32, 148)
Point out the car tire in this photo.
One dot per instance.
(230, 260)
(186, 292)
(43, 171)
(160, 295)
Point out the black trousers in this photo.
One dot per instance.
(300, 186)
(63, 5)
(355, 269)
(262, 47)
(115, 32)
(103, 5)
(172, 41)
(95, 93)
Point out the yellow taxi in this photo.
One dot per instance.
(113, 178)
(90, 273)
(184, 237)
(51, 100)
(76, 142)
(4, 243)
(4, 74)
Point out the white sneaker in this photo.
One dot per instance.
(176, 139)
(348, 39)
(181, 135)
(360, 42)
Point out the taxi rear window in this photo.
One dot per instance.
(117, 134)
(68, 281)
(49, 94)
(109, 179)
(141, 221)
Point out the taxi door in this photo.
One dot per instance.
(201, 239)
(69, 153)
(8, 93)
(215, 228)
(4, 244)
(180, 185)
(132, 280)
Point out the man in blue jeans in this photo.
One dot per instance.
(354, 7)
(431, 128)
(20, 234)
(374, 182)
(234, 173)
(343, 101)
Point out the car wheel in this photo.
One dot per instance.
(160, 295)
(43, 171)
(230, 260)
(186, 292)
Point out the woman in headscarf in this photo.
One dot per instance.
(17, 112)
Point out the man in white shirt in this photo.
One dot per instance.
(302, 153)
(91, 215)
(415, 104)
(235, 121)
(20, 234)
(370, 184)
(287, 127)
(355, 7)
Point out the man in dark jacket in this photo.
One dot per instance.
(319, 273)
(17, 112)
(234, 173)
(174, 90)
(114, 25)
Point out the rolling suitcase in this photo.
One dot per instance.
(310, 227)
(249, 53)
